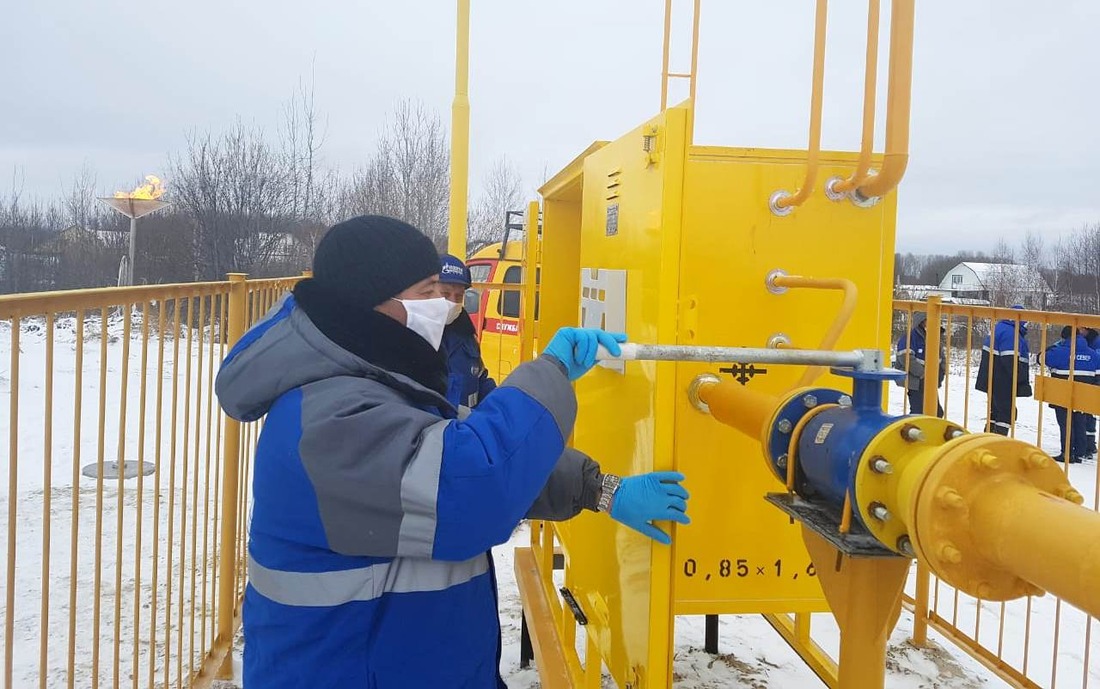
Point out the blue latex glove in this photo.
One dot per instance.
(646, 498)
(576, 348)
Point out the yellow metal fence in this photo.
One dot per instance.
(1038, 641)
(127, 580)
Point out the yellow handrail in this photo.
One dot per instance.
(665, 55)
(786, 201)
(898, 99)
(863, 167)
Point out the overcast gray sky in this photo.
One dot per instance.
(1005, 134)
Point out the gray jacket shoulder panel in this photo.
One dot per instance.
(374, 463)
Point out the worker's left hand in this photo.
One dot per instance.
(646, 498)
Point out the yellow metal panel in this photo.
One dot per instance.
(619, 577)
(1076, 395)
(740, 554)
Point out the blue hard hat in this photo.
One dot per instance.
(454, 271)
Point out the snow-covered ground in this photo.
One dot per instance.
(752, 654)
(116, 597)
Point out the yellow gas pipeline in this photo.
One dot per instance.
(992, 516)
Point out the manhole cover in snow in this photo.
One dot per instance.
(130, 469)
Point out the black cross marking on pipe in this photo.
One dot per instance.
(759, 571)
(743, 373)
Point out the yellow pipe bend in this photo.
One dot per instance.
(898, 99)
(867, 145)
(843, 317)
(816, 97)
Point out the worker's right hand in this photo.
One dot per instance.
(576, 348)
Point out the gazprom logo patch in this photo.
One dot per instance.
(451, 269)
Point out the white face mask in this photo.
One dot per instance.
(427, 317)
(455, 310)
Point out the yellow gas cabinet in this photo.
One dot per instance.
(676, 244)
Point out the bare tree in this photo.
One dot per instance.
(235, 187)
(501, 192)
(1032, 252)
(1003, 252)
(302, 139)
(80, 200)
(409, 175)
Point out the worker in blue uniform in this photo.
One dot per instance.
(376, 501)
(468, 381)
(1072, 355)
(909, 356)
(1004, 362)
(1091, 337)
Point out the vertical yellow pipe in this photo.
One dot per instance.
(460, 136)
(870, 81)
(530, 272)
(231, 451)
(816, 96)
(898, 98)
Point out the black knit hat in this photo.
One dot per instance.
(368, 259)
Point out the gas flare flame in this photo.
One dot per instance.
(152, 189)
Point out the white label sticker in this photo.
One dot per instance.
(823, 433)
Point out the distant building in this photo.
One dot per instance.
(75, 234)
(997, 284)
(922, 292)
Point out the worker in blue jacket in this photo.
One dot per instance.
(375, 504)
(1091, 337)
(909, 356)
(1084, 367)
(468, 381)
(1004, 363)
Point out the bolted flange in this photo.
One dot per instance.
(879, 511)
(950, 498)
(1072, 495)
(949, 553)
(1036, 460)
(784, 426)
(810, 401)
(984, 459)
(880, 465)
(912, 433)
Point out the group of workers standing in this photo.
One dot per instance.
(390, 464)
(1004, 374)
